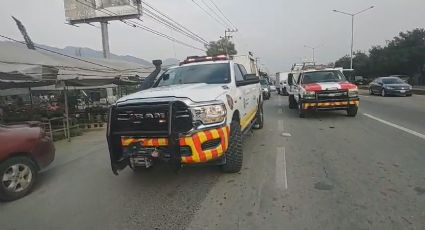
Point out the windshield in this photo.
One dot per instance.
(263, 82)
(392, 81)
(322, 76)
(209, 74)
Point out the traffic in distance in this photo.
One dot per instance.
(212, 114)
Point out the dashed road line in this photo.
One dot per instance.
(280, 125)
(281, 175)
(420, 135)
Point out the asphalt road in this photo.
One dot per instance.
(326, 171)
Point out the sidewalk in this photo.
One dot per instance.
(88, 143)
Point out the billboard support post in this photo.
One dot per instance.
(105, 39)
(103, 11)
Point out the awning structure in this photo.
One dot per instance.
(21, 67)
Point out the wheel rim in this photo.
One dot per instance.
(17, 178)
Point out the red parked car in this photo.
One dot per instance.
(24, 150)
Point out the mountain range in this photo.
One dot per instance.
(91, 53)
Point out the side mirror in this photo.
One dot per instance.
(249, 79)
(252, 77)
(290, 79)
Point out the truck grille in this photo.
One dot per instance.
(151, 118)
(332, 95)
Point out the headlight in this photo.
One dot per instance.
(389, 87)
(209, 114)
(353, 93)
(310, 95)
(265, 90)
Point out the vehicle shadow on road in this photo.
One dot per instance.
(321, 115)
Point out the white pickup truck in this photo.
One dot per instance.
(195, 113)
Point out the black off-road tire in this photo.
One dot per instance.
(259, 124)
(234, 154)
(352, 111)
(292, 102)
(6, 195)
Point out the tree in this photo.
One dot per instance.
(404, 55)
(220, 47)
(360, 63)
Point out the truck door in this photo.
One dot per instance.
(250, 98)
(297, 86)
(241, 91)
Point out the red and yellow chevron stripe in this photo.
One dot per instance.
(329, 104)
(194, 142)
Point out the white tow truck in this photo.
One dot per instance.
(196, 113)
(314, 87)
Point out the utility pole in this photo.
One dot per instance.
(227, 39)
(105, 39)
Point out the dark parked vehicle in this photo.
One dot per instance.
(385, 86)
(24, 150)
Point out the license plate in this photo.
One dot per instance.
(402, 91)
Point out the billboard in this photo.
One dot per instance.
(85, 11)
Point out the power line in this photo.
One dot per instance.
(171, 26)
(138, 25)
(218, 16)
(221, 12)
(65, 55)
(175, 22)
(209, 14)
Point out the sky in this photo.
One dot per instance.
(276, 31)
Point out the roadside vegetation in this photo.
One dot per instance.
(403, 55)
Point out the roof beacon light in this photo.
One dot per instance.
(195, 59)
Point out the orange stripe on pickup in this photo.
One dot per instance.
(198, 147)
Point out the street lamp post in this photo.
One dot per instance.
(313, 49)
(352, 29)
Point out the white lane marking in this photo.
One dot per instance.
(281, 178)
(280, 125)
(280, 111)
(420, 135)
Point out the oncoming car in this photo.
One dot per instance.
(385, 86)
(195, 113)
